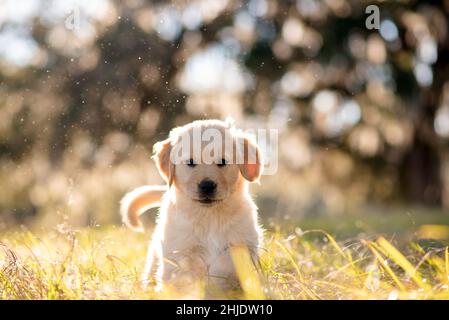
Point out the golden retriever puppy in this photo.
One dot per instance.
(204, 209)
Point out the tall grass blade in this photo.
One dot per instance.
(446, 258)
(247, 273)
(402, 261)
(385, 265)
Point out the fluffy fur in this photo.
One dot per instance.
(191, 240)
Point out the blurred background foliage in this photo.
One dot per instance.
(87, 87)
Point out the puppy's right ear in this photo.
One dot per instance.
(161, 156)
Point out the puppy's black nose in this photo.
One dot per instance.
(207, 187)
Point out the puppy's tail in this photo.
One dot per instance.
(136, 202)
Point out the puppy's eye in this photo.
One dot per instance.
(222, 163)
(190, 163)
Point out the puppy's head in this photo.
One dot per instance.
(208, 160)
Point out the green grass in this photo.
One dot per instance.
(364, 258)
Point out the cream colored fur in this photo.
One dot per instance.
(191, 240)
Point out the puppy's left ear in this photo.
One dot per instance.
(251, 166)
(161, 156)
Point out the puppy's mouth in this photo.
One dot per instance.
(208, 201)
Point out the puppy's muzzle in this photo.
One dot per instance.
(207, 190)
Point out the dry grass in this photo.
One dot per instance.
(105, 264)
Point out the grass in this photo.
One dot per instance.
(296, 263)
